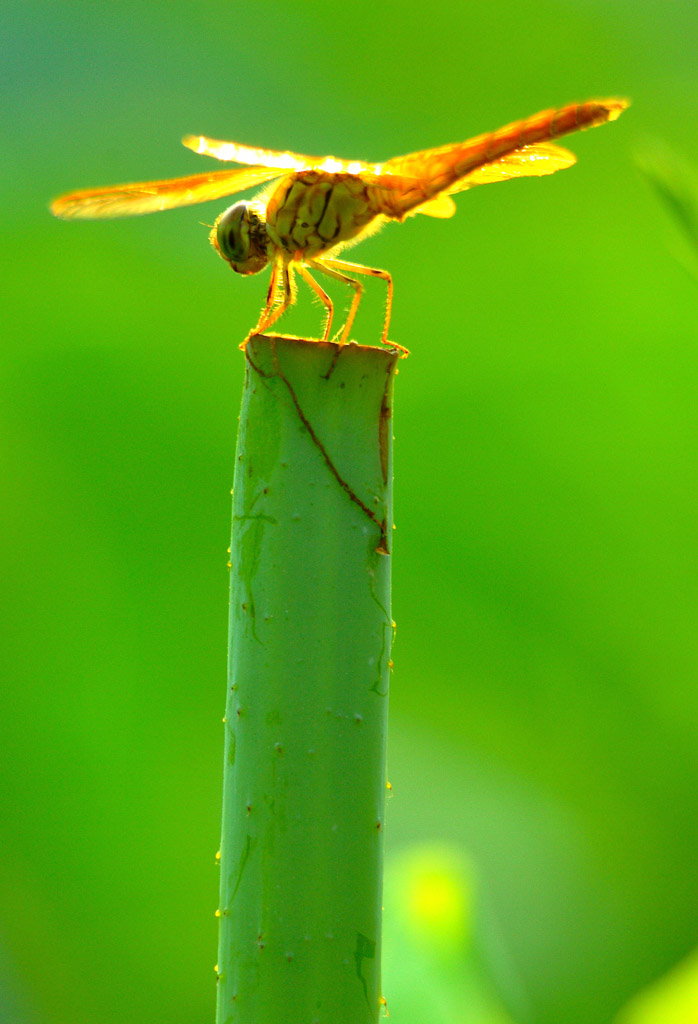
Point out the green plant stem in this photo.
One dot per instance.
(309, 665)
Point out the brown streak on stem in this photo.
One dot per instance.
(382, 548)
(383, 427)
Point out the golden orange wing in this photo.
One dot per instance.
(529, 161)
(522, 163)
(286, 161)
(151, 196)
(441, 207)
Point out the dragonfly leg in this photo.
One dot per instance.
(273, 287)
(340, 267)
(321, 294)
(275, 307)
(322, 266)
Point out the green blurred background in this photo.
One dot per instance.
(544, 701)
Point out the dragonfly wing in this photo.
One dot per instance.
(536, 159)
(151, 196)
(442, 207)
(417, 165)
(239, 154)
(529, 161)
(286, 161)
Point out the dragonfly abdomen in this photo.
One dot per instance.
(439, 169)
(314, 211)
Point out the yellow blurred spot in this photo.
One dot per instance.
(436, 900)
(437, 897)
(218, 913)
(216, 968)
(671, 1000)
(218, 856)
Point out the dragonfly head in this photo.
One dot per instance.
(240, 237)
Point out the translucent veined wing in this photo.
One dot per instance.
(543, 158)
(151, 196)
(533, 160)
(442, 207)
(286, 161)
(529, 161)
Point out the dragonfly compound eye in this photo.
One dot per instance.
(241, 239)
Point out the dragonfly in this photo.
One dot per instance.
(322, 205)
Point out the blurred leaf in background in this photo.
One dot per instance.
(671, 1000)
(676, 185)
(544, 697)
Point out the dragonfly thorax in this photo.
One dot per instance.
(240, 237)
